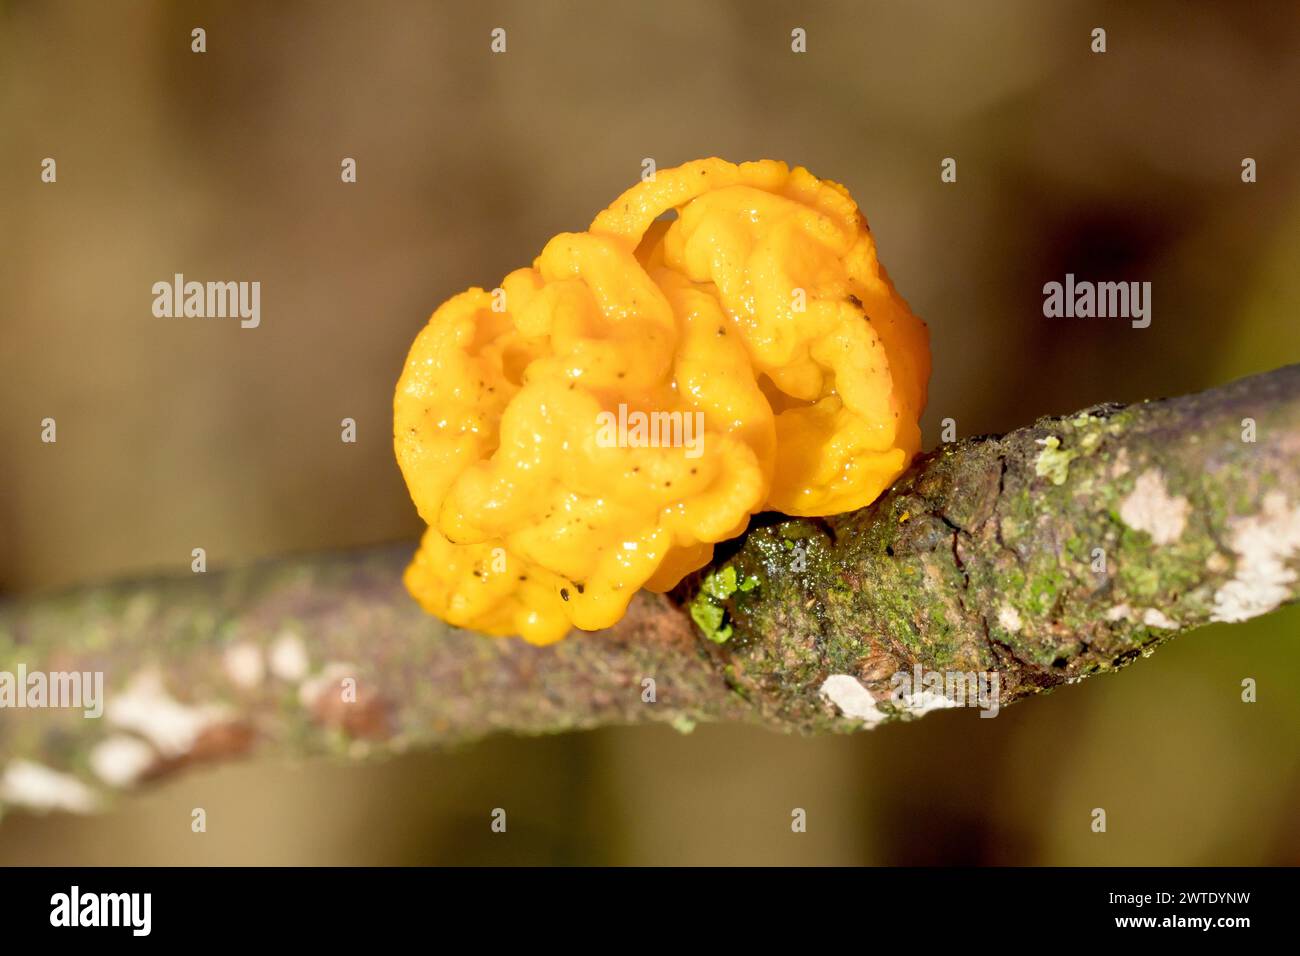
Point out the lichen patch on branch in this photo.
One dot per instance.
(1156, 618)
(1264, 544)
(35, 786)
(145, 708)
(853, 700)
(244, 665)
(289, 660)
(121, 760)
(1053, 463)
(1151, 508)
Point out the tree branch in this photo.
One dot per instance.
(1056, 552)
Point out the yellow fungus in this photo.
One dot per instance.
(633, 398)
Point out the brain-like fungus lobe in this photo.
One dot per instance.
(600, 421)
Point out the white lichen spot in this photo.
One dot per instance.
(37, 787)
(329, 680)
(145, 708)
(1120, 612)
(244, 665)
(1263, 543)
(1119, 467)
(924, 701)
(1218, 563)
(1153, 618)
(1151, 508)
(289, 657)
(847, 693)
(1009, 618)
(120, 760)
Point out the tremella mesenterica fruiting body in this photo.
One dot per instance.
(600, 421)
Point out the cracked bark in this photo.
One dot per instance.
(1033, 555)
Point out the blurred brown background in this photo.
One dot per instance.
(182, 433)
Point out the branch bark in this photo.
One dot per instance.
(1053, 553)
